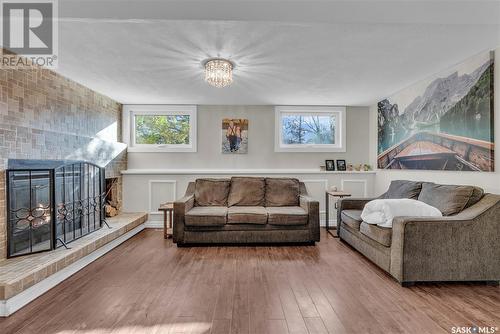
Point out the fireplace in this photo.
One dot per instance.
(112, 198)
(51, 203)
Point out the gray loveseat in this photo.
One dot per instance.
(463, 245)
(246, 210)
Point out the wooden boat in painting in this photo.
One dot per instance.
(438, 151)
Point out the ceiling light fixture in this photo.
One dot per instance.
(219, 72)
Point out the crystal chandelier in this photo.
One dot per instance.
(219, 72)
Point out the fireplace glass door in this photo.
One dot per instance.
(52, 203)
(30, 213)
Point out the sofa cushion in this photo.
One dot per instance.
(247, 215)
(282, 192)
(247, 191)
(352, 218)
(206, 216)
(211, 192)
(286, 215)
(403, 189)
(477, 194)
(449, 199)
(382, 235)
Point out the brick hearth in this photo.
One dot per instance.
(20, 273)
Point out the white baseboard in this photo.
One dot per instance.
(11, 305)
(333, 222)
(153, 224)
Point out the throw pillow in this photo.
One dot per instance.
(282, 192)
(403, 189)
(449, 199)
(211, 192)
(247, 191)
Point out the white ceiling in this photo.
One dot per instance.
(285, 52)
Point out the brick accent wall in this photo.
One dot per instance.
(3, 213)
(46, 116)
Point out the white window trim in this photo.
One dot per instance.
(340, 134)
(130, 111)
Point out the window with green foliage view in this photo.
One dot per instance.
(162, 129)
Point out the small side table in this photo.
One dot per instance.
(168, 209)
(337, 194)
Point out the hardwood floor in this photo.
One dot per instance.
(148, 285)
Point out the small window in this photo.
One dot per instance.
(310, 129)
(161, 128)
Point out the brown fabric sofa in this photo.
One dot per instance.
(246, 210)
(463, 245)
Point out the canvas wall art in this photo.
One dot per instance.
(442, 123)
(234, 136)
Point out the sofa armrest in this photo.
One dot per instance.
(181, 207)
(184, 204)
(307, 202)
(465, 247)
(350, 203)
(311, 206)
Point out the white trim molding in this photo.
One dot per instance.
(150, 194)
(128, 117)
(364, 182)
(324, 181)
(235, 172)
(154, 224)
(322, 213)
(339, 112)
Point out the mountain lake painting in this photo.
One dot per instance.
(442, 123)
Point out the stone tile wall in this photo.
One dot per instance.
(46, 116)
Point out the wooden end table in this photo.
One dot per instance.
(168, 209)
(335, 194)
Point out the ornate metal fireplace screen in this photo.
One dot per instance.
(51, 203)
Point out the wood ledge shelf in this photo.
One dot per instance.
(234, 171)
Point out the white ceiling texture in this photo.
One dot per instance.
(285, 52)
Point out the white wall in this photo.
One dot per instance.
(155, 178)
(144, 191)
(260, 143)
(488, 181)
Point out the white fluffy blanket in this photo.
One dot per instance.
(381, 211)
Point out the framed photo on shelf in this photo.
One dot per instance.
(330, 165)
(341, 165)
